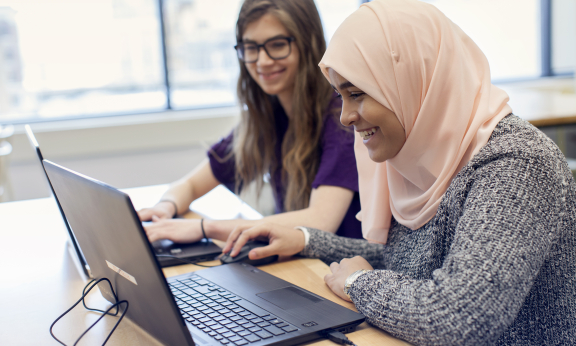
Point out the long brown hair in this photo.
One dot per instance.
(255, 136)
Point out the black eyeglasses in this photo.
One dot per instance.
(277, 48)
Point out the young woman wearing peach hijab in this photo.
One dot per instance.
(469, 211)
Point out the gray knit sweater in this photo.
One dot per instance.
(495, 266)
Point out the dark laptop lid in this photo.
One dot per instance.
(114, 243)
(71, 237)
(201, 251)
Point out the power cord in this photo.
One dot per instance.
(90, 285)
(186, 261)
(337, 337)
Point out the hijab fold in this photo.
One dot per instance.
(413, 60)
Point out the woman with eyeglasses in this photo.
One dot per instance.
(468, 211)
(289, 130)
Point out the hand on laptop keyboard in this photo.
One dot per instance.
(176, 230)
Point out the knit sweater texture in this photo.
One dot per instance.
(496, 265)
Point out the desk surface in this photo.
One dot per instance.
(546, 102)
(38, 282)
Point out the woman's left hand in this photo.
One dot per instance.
(340, 273)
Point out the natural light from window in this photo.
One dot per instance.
(86, 58)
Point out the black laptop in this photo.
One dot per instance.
(172, 252)
(75, 252)
(233, 304)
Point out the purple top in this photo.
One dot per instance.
(337, 165)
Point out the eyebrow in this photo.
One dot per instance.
(268, 39)
(346, 85)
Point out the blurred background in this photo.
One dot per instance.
(131, 92)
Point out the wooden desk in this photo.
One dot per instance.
(544, 102)
(38, 282)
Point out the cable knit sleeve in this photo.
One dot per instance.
(502, 238)
(331, 248)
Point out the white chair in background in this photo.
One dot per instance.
(6, 132)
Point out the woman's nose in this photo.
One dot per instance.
(263, 58)
(348, 116)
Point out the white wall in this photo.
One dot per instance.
(125, 151)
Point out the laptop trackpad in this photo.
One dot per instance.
(289, 298)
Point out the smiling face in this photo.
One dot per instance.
(380, 129)
(275, 77)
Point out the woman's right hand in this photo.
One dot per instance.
(283, 241)
(177, 230)
(162, 210)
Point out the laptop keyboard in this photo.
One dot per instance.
(224, 316)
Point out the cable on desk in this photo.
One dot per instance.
(337, 337)
(84, 293)
(186, 261)
(116, 305)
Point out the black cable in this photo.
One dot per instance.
(101, 316)
(202, 228)
(337, 337)
(97, 310)
(104, 313)
(186, 261)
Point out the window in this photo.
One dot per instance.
(79, 58)
(508, 32)
(522, 39)
(85, 58)
(333, 12)
(563, 36)
(202, 66)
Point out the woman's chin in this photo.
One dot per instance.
(376, 156)
(271, 88)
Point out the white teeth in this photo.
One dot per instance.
(367, 134)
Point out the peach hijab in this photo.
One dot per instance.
(413, 60)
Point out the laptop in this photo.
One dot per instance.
(172, 253)
(232, 304)
(72, 245)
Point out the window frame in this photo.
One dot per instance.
(545, 52)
